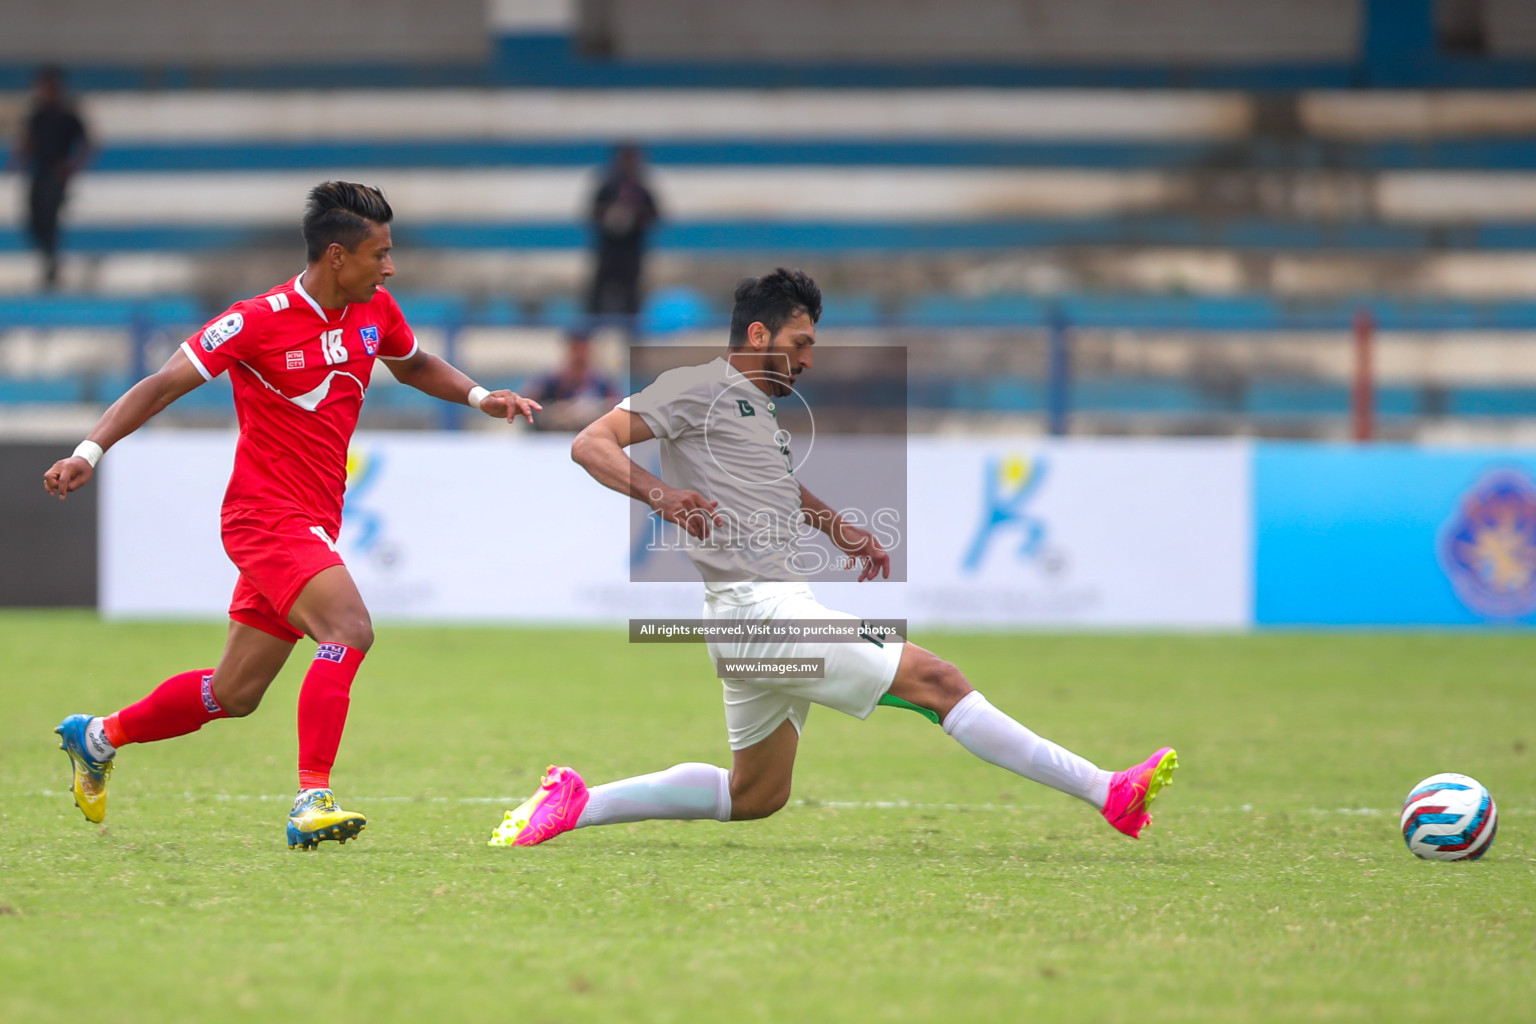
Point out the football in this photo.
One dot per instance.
(1449, 817)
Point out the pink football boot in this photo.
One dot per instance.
(553, 809)
(1132, 791)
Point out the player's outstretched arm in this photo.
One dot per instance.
(437, 377)
(857, 543)
(599, 449)
(123, 417)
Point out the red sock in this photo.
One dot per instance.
(183, 703)
(323, 702)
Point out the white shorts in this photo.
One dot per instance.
(857, 674)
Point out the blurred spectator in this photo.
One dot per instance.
(575, 394)
(53, 146)
(623, 210)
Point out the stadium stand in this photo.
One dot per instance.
(1203, 231)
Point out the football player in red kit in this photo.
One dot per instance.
(299, 359)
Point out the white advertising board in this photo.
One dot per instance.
(437, 527)
(1101, 533)
(446, 527)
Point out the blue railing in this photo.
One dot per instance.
(148, 320)
(769, 239)
(1479, 154)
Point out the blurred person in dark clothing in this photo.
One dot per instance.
(53, 146)
(575, 393)
(623, 210)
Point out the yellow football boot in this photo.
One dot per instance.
(315, 817)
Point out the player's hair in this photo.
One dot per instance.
(773, 300)
(343, 212)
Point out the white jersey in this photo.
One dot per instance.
(720, 437)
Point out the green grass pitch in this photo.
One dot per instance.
(905, 882)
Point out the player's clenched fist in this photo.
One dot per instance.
(510, 405)
(67, 475)
(688, 509)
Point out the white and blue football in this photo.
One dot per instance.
(1449, 817)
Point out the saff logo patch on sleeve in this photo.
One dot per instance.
(370, 336)
(220, 331)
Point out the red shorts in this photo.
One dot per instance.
(276, 553)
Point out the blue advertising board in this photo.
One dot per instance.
(1394, 535)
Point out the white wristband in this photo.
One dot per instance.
(90, 451)
(476, 396)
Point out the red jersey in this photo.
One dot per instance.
(299, 373)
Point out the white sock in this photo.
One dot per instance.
(96, 743)
(993, 736)
(690, 790)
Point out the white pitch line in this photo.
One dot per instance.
(838, 805)
(511, 801)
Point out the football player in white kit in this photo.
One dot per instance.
(727, 484)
